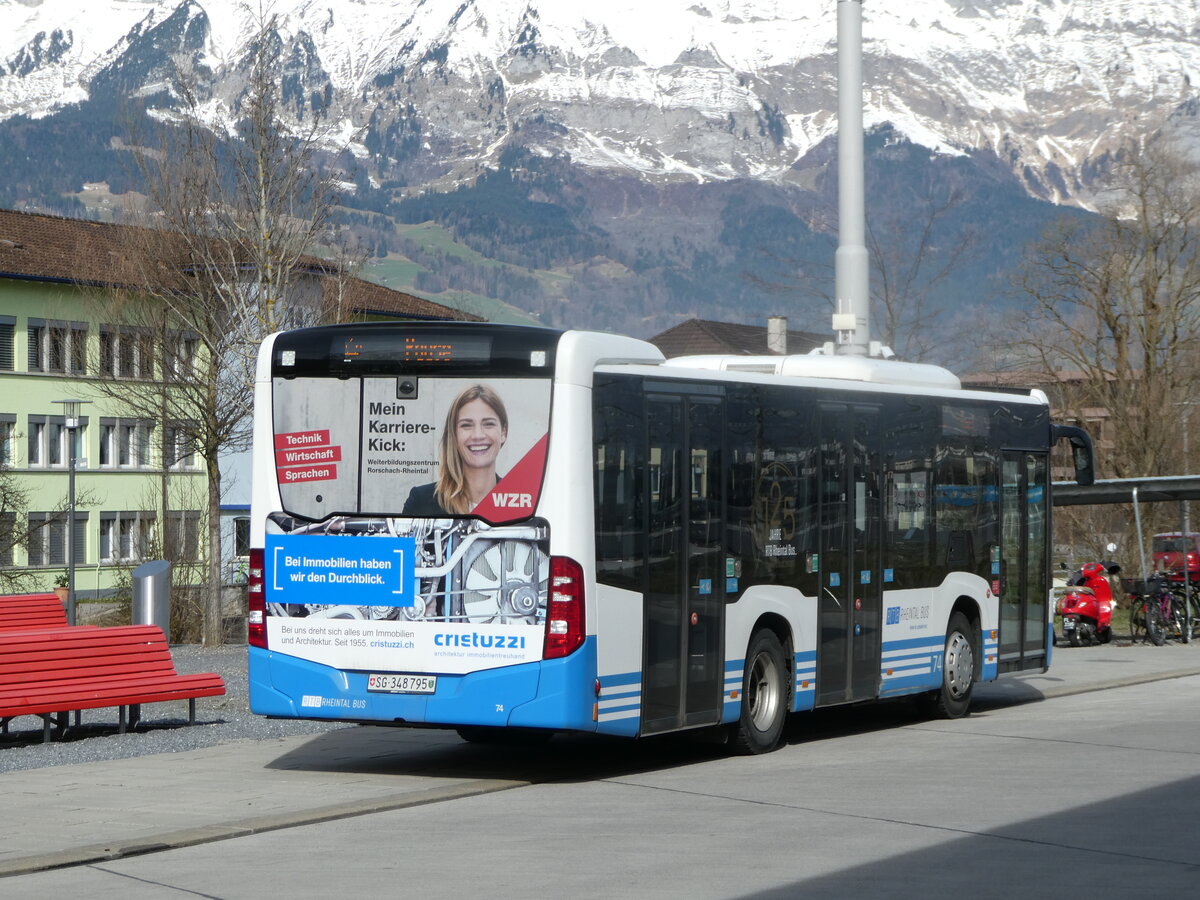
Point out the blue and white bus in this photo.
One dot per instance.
(499, 529)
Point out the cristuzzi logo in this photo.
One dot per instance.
(475, 639)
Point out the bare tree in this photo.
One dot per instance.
(909, 263)
(1112, 328)
(1115, 312)
(238, 206)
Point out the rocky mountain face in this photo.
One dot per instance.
(627, 164)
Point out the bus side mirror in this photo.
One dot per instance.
(1081, 451)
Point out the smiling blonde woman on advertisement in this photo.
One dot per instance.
(476, 429)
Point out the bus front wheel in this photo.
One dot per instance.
(953, 698)
(764, 695)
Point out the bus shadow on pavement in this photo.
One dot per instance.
(377, 750)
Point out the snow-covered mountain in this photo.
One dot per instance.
(694, 90)
(628, 163)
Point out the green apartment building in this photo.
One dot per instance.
(137, 481)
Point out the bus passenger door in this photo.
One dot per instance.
(685, 601)
(851, 581)
(1024, 581)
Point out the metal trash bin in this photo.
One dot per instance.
(152, 595)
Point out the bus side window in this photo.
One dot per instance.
(619, 481)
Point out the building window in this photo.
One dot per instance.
(36, 445)
(56, 443)
(107, 536)
(8, 429)
(133, 440)
(37, 349)
(8, 537)
(57, 347)
(108, 440)
(48, 538)
(107, 351)
(126, 352)
(8, 325)
(179, 450)
(126, 535)
(179, 356)
(241, 536)
(127, 444)
(48, 439)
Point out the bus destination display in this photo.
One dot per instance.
(366, 347)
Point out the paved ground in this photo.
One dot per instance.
(66, 815)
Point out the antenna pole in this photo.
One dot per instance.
(851, 321)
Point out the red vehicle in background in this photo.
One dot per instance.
(1172, 551)
(1087, 605)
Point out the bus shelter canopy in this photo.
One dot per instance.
(1127, 490)
(1132, 490)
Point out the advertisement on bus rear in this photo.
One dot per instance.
(401, 594)
(411, 446)
(407, 540)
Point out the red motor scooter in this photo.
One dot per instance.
(1087, 605)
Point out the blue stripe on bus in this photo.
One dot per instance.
(555, 694)
(619, 708)
(623, 678)
(804, 681)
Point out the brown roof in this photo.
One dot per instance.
(38, 247)
(51, 248)
(701, 336)
(376, 299)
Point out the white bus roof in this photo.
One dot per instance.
(847, 368)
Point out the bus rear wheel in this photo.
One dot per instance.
(764, 695)
(953, 698)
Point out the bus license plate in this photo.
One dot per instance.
(402, 684)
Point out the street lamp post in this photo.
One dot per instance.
(71, 420)
(1187, 536)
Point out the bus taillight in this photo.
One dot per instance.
(256, 620)
(564, 611)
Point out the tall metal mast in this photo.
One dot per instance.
(852, 320)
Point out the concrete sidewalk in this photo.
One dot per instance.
(67, 815)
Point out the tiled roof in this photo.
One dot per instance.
(369, 297)
(701, 336)
(76, 251)
(51, 248)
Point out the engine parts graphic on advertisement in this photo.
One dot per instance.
(413, 595)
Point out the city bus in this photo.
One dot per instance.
(515, 531)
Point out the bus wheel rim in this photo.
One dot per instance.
(764, 696)
(960, 664)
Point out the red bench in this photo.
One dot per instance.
(52, 672)
(22, 611)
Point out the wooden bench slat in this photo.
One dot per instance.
(81, 691)
(117, 695)
(54, 675)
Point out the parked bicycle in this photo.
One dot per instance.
(1159, 612)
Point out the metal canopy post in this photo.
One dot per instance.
(1187, 572)
(1137, 518)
